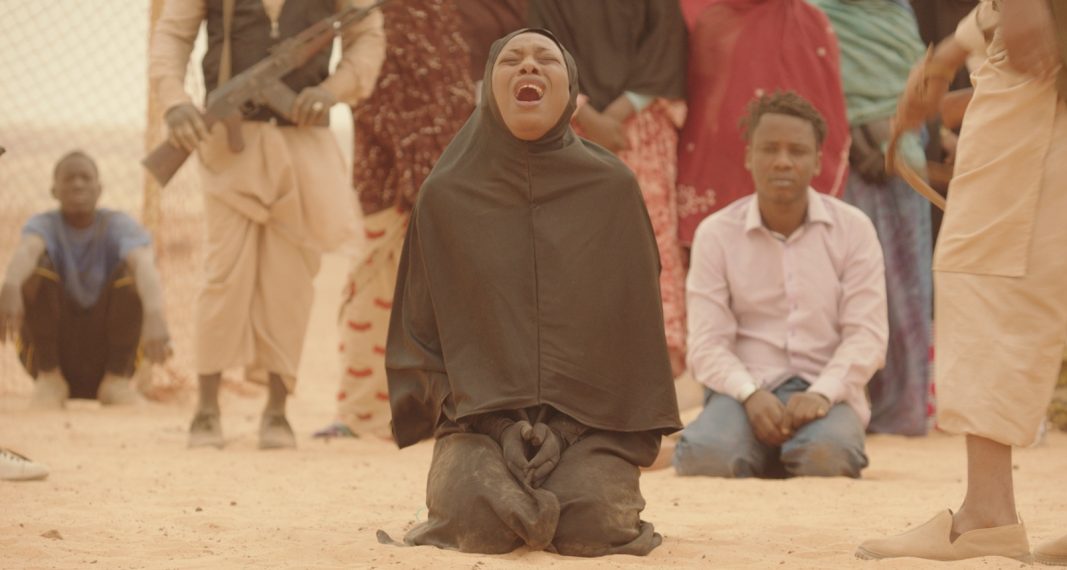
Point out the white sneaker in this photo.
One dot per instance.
(15, 467)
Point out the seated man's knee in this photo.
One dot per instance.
(714, 456)
(823, 457)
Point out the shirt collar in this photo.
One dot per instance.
(816, 212)
(817, 209)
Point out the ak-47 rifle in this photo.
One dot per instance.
(260, 85)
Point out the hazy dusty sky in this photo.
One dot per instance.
(68, 67)
(73, 61)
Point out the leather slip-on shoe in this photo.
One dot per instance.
(1052, 552)
(932, 541)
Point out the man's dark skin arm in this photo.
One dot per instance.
(603, 128)
(806, 407)
(774, 423)
(19, 270)
(768, 418)
(155, 338)
(1029, 37)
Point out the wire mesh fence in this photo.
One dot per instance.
(74, 77)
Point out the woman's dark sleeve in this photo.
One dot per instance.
(659, 69)
(414, 363)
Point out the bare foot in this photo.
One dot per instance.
(50, 391)
(275, 432)
(117, 391)
(206, 430)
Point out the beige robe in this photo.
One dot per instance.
(269, 210)
(1000, 265)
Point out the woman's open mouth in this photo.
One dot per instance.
(529, 91)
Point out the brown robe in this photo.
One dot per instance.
(634, 45)
(529, 279)
(485, 21)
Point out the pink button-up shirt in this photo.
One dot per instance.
(764, 308)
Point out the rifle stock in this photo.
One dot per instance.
(164, 161)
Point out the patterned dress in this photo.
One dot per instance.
(636, 49)
(740, 50)
(879, 42)
(423, 96)
(653, 135)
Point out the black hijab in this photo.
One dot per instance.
(529, 276)
(620, 45)
(485, 21)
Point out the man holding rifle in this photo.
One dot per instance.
(276, 193)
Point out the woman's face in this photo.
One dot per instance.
(530, 85)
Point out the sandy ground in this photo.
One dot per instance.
(125, 493)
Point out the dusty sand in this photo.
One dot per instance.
(125, 493)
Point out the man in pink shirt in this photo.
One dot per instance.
(787, 314)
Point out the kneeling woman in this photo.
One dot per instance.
(527, 335)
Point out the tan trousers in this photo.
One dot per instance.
(269, 212)
(1000, 339)
(363, 398)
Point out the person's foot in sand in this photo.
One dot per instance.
(117, 391)
(274, 430)
(985, 525)
(206, 427)
(206, 430)
(50, 391)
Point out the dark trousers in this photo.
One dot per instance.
(83, 342)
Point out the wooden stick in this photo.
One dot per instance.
(894, 163)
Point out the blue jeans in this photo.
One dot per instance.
(721, 443)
